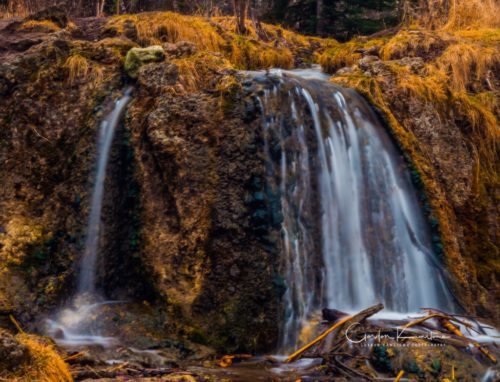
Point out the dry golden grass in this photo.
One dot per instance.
(467, 62)
(78, 67)
(251, 51)
(473, 14)
(196, 71)
(250, 54)
(485, 36)
(412, 43)
(39, 26)
(158, 27)
(82, 69)
(338, 55)
(45, 364)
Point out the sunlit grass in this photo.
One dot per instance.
(39, 26)
(44, 365)
(273, 46)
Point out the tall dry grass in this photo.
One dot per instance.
(216, 35)
(44, 365)
(478, 14)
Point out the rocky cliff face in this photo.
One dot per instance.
(185, 212)
(191, 237)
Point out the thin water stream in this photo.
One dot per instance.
(74, 325)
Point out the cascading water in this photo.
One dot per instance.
(86, 280)
(353, 232)
(73, 326)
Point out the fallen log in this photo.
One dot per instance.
(332, 315)
(340, 339)
(339, 324)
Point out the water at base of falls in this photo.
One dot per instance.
(74, 325)
(353, 232)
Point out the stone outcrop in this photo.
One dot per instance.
(183, 215)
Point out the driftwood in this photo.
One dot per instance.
(332, 315)
(446, 321)
(399, 376)
(361, 316)
(318, 339)
(341, 359)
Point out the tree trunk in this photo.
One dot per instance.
(319, 17)
(240, 12)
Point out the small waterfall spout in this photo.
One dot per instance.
(86, 280)
(74, 325)
(353, 232)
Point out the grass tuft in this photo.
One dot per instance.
(39, 26)
(466, 62)
(197, 71)
(45, 364)
(82, 69)
(78, 67)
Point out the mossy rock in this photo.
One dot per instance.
(136, 57)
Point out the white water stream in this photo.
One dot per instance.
(353, 232)
(74, 325)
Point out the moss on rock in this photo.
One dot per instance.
(136, 57)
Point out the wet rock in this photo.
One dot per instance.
(12, 352)
(155, 77)
(344, 71)
(136, 57)
(415, 64)
(365, 62)
(180, 49)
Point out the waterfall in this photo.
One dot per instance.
(86, 278)
(74, 326)
(354, 233)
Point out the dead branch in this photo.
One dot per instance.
(399, 376)
(446, 322)
(361, 316)
(348, 371)
(321, 337)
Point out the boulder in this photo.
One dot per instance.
(180, 49)
(136, 57)
(12, 352)
(366, 62)
(415, 64)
